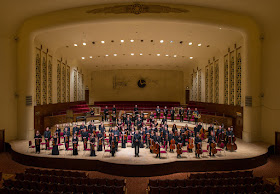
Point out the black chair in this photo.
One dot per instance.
(154, 190)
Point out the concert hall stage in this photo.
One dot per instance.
(247, 156)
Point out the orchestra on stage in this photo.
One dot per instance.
(140, 131)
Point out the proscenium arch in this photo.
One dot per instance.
(64, 18)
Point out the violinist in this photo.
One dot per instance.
(181, 114)
(174, 128)
(117, 135)
(139, 124)
(75, 129)
(128, 122)
(134, 118)
(106, 113)
(58, 131)
(124, 116)
(196, 130)
(55, 150)
(47, 137)
(211, 139)
(100, 139)
(124, 138)
(137, 140)
(172, 113)
(165, 112)
(119, 123)
(38, 139)
(132, 137)
(75, 144)
(114, 110)
(102, 130)
(158, 112)
(148, 136)
(82, 127)
(142, 116)
(92, 144)
(68, 127)
(157, 141)
(197, 141)
(66, 135)
(113, 141)
(189, 114)
(143, 136)
(91, 128)
(164, 120)
(85, 138)
(136, 109)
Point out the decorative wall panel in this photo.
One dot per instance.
(58, 81)
(68, 83)
(82, 88)
(195, 86)
(211, 78)
(192, 89)
(79, 86)
(49, 79)
(216, 90)
(63, 82)
(75, 85)
(231, 79)
(38, 76)
(238, 77)
(206, 84)
(44, 78)
(199, 86)
(226, 79)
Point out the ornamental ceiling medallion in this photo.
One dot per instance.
(137, 9)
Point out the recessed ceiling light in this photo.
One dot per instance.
(132, 54)
(190, 43)
(90, 57)
(166, 55)
(131, 40)
(115, 55)
(191, 57)
(83, 57)
(122, 40)
(175, 55)
(106, 55)
(171, 41)
(75, 45)
(199, 44)
(84, 43)
(161, 41)
(141, 54)
(220, 28)
(102, 41)
(158, 55)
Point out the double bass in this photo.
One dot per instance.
(213, 148)
(231, 145)
(179, 149)
(198, 149)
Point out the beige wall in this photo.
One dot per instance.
(161, 85)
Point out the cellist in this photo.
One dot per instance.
(197, 141)
(157, 141)
(100, 140)
(229, 134)
(171, 141)
(47, 137)
(38, 139)
(124, 136)
(113, 141)
(92, 144)
(211, 139)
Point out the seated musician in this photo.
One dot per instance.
(157, 141)
(195, 112)
(92, 144)
(85, 138)
(100, 138)
(139, 123)
(133, 117)
(124, 138)
(164, 120)
(114, 109)
(106, 113)
(58, 131)
(38, 139)
(189, 114)
(91, 112)
(66, 135)
(229, 134)
(75, 130)
(165, 112)
(170, 137)
(211, 129)
(172, 114)
(113, 141)
(211, 139)
(137, 140)
(158, 112)
(75, 144)
(119, 123)
(102, 129)
(136, 109)
(197, 141)
(181, 113)
(178, 138)
(68, 127)
(128, 122)
(47, 137)
(55, 150)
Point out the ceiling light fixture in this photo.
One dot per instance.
(158, 55)
(90, 57)
(132, 54)
(122, 40)
(131, 40)
(102, 41)
(199, 44)
(191, 57)
(106, 55)
(115, 55)
(190, 43)
(75, 45)
(175, 55)
(171, 41)
(83, 57)
(84, 43)
(166, 55)
(141, 54)
(161, 41)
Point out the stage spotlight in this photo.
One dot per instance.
(166, 55)
(132, 54)
(106, 55)
(158, 55)
(141, 54)
(175, 56)
(115, 55)
(171, 41)
(90, 57)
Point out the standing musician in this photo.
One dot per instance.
(137, 139)
(136, 110)
(66, 135)
(189, 114)
(106, 113)
(91, 112)
(114, 109)
(91, 128)
(92, 144)
(196, 130)
(58, 131)
(47, 137)
(158, 112)
(195, 113)
(152, 116)
(142, 115)
(181, 113)
(68, 127)
(197, 141)
(114, 118)
(85, 138)
(164, 120)
(124, 138)
(102, 130)
(124, 116)
(75, 144)
(165, 112)
(38, 139)
(157, 141)
(119, 124)
(128, 122)
(75, 130)
(133, 117)
(148, 136)
(170, 138)
(211, 139)
(139, 124)
(174, 128)
(172, 113)
(82, 127)
(143, 136)
(113, 141)
(132, 137)
(100, 138)
(55, 150)
(211, 129)
(178, 138)
(117, 135)
(229, 134)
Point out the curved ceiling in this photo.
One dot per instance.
(184, 44)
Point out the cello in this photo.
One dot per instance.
(213, 148)
(221, 141)
(231, 145)
(198, 149)
(156, 148)
(179, 150)
(172, 145)
(190, 145)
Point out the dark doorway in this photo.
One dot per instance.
(187, 96)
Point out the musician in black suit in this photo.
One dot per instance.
(75, 130)
(82, 127)
(85, 138)
(47, 137)
(210, 129)
(164, 120)
(181, 113)
(195, 112)
(136, 110)
(106, 113)
(165, 112)
(137, 140)
(75, 144)
(66, 135)
(229, 134)
(158, 112)
(211, 139)
(197, 141)
(38, 139)
(157, 141)
(189, 114)
(91, 127)
(92, 144)
(114, 109)
(196, 130)
(172, 113)
(100, 140)
(139, 123)
(113, 143)
(58, 131)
